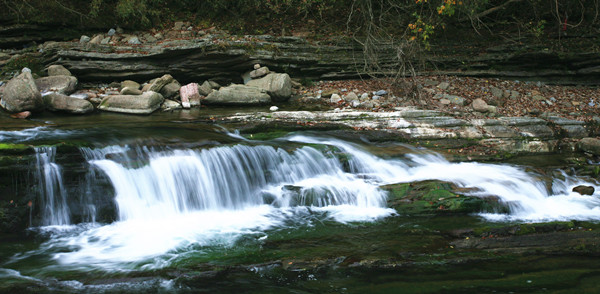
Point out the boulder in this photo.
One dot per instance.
(60, 84)
(130, 91)
(278, 86)
(350, 97)
(97, 39)
(584, 190)
(134, 40)
(335, 98)
(58, 70)
(146, 103)
(63, 103)
(238, 95)
(170, 90)
(188, 94)
(21, 93)
(84, 39)
(260, 72)
(157, 84)
(130, 84)
(591, 145)
(480, 105)
(327, 93)
(205, 88)
(170, 105)
(214, 85)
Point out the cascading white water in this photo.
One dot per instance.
(172, 200)
(524, 193)
(52, 194)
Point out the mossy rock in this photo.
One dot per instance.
(434, 197)
(15, 149)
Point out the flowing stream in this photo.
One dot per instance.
(175, 202)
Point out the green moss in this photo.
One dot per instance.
(434, 197)
(12, 146)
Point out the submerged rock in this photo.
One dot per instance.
(63, 103)
(60, 84)
(238, 95)
(135, 104)
(21, 94)
(21, 115)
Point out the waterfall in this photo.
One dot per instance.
(52, 194)
(171, 202)
(230, 178)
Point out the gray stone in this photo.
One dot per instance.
(21, 94)
(170, 90)
(170, 105)
(257, 66)
(205, 88)
(157, 84)
(58, 70)
(238, 95)
(134, 40)
(327, 93)
(480, 105)
(498, 93)
(146, 103)
(514, 94)
(59, 84)
(278, 86)
(150, 38)
(129, 84)
(457, 100)
(444, 101)
(381, 93)
(84, 39)
(63, 103)
(97, 39)
(259, 73)
(335, 98)
(130, 91)
(105, 41)
(214, 85)
(111, 32)
(591, 145)
(350, 97)
(178, 25)
(443, 85)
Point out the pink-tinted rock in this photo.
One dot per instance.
(21, 115)
(189, 93)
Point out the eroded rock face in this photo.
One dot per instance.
(63, 103)
(21, 94)
(134, 104)
(278, 86)
(59, 84)
(238, 95)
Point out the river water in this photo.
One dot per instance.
(199, 208)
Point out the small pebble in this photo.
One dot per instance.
(274, 108)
